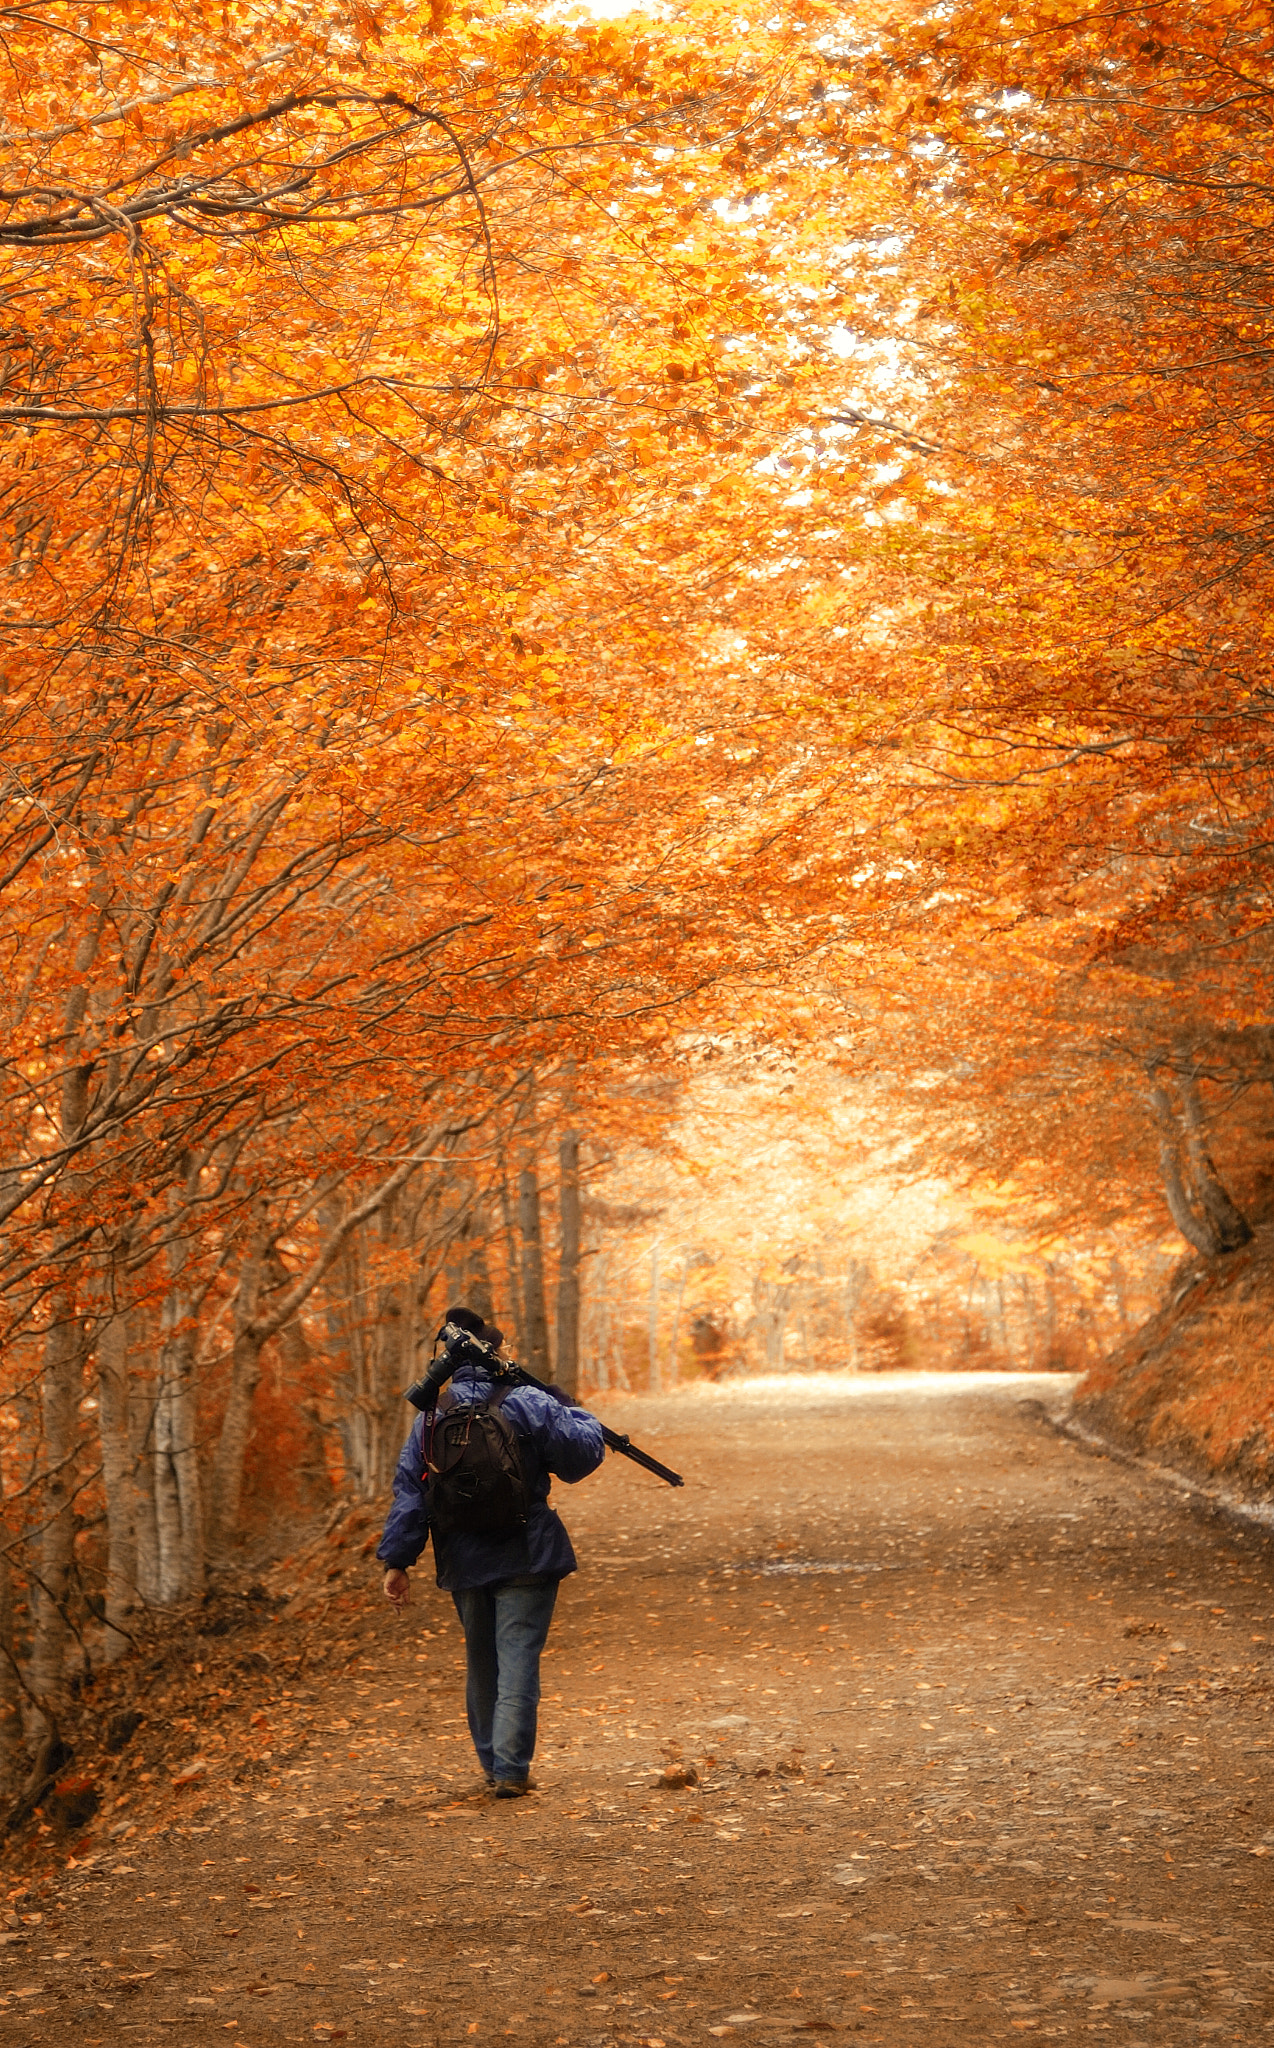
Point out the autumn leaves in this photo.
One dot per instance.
(371, 753)
(1079, 650)
(517, 529)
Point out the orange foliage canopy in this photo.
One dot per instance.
(517, 526)
(339, 717)
(1083, 306)
(395, 677)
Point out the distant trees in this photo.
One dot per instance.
(789, 1217)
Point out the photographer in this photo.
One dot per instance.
(503, 1578)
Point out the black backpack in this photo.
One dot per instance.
(477, 1482)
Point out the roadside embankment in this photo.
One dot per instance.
(1194, 1387)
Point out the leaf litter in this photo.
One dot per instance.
(742, 1799)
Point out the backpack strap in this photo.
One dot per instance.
(447, 1403)
(495, 1397)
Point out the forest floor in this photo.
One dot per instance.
(981, 1725)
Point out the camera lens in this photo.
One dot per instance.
(423, 1393)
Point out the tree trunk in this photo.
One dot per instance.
(314, 1481)
(774, 1329)
(568, 1271)
(60, 1391)
(673, 1372)
(1196, 1230)
(63, 1370)
(535, 1330)
(1231, 1227)
(370, 1424)
(1051, 1358)
(390, 1354)
(1201, 1225)
(856, 1279)
(178, 1482)
(226, 1490)
(179, 1517)
(468, 1278)
(1090, 1332)
(774, 1306)
(1030, 1329)
(652, 1323)
(599, 1298)
(12, 1745)
(142, 1406)
(477, 1272)
(118, 1486)
(1002, 1322)
(514, 1311)
(346, 1339)
(226, 1493)
(380, 1345)
(970, 1343)
(618, 1366)
(397, 1417)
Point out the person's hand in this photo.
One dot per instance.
(397, 1588)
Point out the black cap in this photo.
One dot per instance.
(465, 1319)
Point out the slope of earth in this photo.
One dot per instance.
(965, 1732)
(1195, 1385)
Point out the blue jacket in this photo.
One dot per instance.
(556, 1442)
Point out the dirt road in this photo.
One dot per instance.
(981, 1725)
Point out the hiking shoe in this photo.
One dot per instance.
(513, 1788)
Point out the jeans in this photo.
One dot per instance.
(505, 1629)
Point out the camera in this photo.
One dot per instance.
(458, 1345)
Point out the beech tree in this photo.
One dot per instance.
(531, 540)
(338, 806)
(1076, 649)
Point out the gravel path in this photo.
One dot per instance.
(976, 1727)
